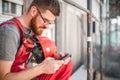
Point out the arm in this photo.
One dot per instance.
(5, 73)
(48, 66)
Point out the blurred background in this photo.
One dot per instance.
(87, 29)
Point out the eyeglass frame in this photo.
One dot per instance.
(46, 21)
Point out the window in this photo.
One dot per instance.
(101, 1)
(13, 8)
(8, 7)
(5, 7)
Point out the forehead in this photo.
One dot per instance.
(49, 15)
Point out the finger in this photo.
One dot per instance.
(67, 60)
(57, 56)
(58, 66)
(50, 58)
(61, 54)
(60, 62)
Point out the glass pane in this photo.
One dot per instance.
(101, 1)
(13, 8)
(5, 7)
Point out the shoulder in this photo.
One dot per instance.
(9, 41)
(9, 29)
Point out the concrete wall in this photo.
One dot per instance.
(19, 10)
(96, 8)
(82, 3)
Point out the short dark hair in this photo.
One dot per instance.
(52, 5)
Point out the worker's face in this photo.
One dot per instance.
(41, 21)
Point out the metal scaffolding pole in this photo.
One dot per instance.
(89, 42)
(101, 54)
(108, 25)
(101, 46)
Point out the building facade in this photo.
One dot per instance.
(10, 8)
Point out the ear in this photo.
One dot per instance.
(33, 11)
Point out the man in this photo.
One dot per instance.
(36, 18)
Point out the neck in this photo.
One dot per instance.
(25, 20)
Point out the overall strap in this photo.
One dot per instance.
(7, 23)
(18, 24)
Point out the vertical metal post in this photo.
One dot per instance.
(89, 42)
(108, 25)
(101, 45)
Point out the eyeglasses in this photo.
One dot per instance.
(46, 21)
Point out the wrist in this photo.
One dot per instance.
(39, 69)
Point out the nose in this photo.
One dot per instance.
(46, 25)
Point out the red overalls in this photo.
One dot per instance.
(22, 55)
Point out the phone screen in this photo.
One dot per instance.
(65, 57)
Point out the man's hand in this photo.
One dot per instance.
(50, 65)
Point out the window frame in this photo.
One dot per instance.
(9, 12)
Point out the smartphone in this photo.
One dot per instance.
(65, 57)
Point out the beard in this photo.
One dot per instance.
(37, 30)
